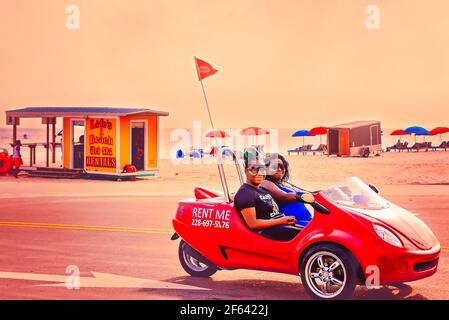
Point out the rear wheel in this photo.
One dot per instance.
(194, 266)
(328, 272)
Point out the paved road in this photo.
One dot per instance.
(129, 236)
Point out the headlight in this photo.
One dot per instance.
(387, 236)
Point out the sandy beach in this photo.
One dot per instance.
(394, 173)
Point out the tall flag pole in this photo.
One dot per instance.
(204, 70)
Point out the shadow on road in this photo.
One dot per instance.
(252, 289)
(397, 291)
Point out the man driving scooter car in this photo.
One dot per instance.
(257, 207)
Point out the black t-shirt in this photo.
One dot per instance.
(249, 196)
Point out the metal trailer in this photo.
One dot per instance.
(355, 139)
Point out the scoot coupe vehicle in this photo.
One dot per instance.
(353, 233)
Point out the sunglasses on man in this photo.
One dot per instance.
(258, 169)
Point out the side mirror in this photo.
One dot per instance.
(373, 187)
(307, 198)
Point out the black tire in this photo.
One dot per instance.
(188, 263)
(346, 272)
(364, 152)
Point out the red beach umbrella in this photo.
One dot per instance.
(439, 131)
(254, 131)
(318, 131)
(217, 134)
(398, 132)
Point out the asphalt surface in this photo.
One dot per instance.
(130, 237)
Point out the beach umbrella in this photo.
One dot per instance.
(439, 131)
(318, 131)
(217, 134)
(303, 134)
(398, 132)
(254, 131)
(417, 131)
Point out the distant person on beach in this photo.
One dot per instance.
(257, 207)
(16, 149)
(16, 158)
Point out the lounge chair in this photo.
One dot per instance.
(393, 147)
(403, 146)
(307, 148)
(321, 148)
(297, 150)
(418, 146)
(398, 145)
(443, 145)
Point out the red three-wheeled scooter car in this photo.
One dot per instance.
(355, 237)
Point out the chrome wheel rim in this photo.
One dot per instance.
(325, 274)
(193, 263)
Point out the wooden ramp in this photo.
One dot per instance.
(53, 173)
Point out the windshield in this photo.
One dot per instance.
(354, 193)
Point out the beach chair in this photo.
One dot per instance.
(292, 151)
(413, 147)
(297, 150)
(320, 148)
(443, 145)
(307, 148)
(398, 145)
(324, 148)
(416, 147)
(404, 146)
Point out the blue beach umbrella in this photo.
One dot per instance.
(303, 134)
(417, 131)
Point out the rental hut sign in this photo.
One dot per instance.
(101, 145)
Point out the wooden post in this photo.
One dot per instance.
(14, 132)
(53, 136)
(48, 142)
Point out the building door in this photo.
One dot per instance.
(77, 144)
(138, 144)
(333, 141)
(343, 142)
(375, 136)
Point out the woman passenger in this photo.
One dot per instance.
(283, 193)
(257, 207)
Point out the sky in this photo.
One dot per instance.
(290, 64)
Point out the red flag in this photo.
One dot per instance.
(204, 69)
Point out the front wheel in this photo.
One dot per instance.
(328, 272)
(194, 266)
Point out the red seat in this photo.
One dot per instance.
(206, 193)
